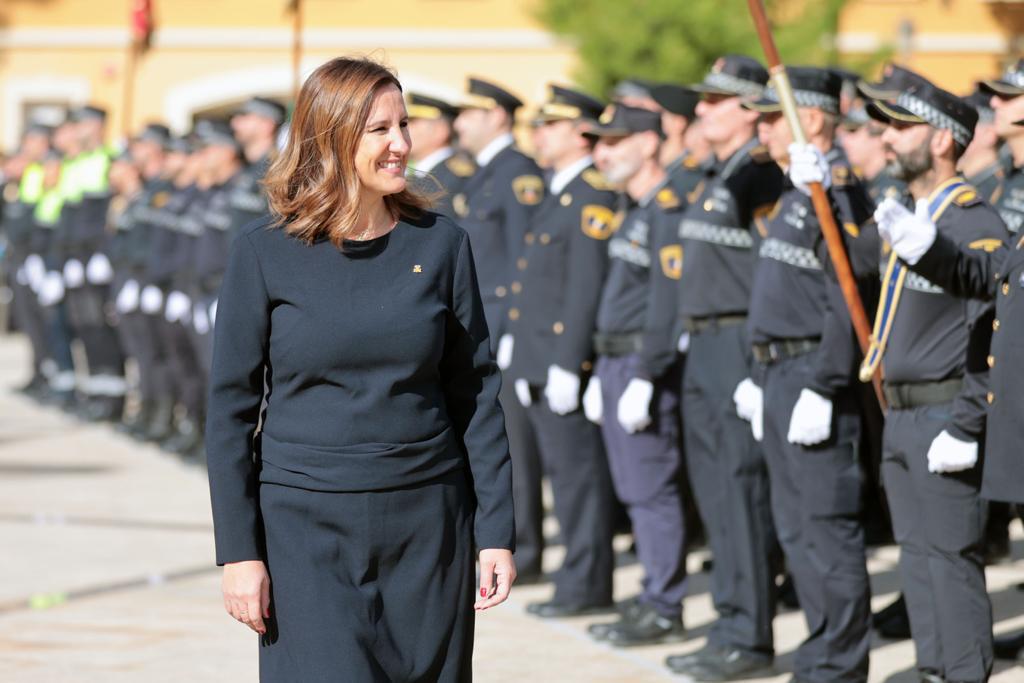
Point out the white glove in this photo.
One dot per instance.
(562, 391)
(200, 319)
(808, 165)
(593, 403)
(99, 271)
(749, 402)
(634, 411)
(74, 273)
(128, 298)
(213, 313)
(949, 454)
(910, 234)
(504, 355)
(51, 291)
(522, 388)
(811, 421)
(152, 300)
(683, 345)
(35, 269)
(178, 307)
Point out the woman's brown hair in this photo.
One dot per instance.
(312, 186)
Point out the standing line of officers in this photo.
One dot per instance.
(115, 255)
(672, 336)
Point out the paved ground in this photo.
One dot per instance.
(106, 575)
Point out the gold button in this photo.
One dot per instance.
(991, 397)
(1006, 288)
(529, 238)
(995, 325)
(565, 199)
(709, 204)
(558, 327)
(521, 264)
(513, 314)
(517, 287)
(586, 366)
(500, 291)
(545, 238)
(991, 361)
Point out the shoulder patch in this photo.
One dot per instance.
(840, 176)
(967, 197)
(760, 154)
(595, 179)
(852, 229)
(529, 189)
(667, 198)
(987, 245)
(460, 205)
(691, 162)
(597, 222)
(160, 199)
(460, 166)
(671, 257)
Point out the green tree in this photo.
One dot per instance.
(678, 40)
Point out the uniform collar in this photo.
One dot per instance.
(728, 167)
(429, 162)
(653, 192)
(562, 178)
(492, 149)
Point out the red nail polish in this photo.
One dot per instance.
(483, 592)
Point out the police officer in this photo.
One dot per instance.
(719, 233)
(982, 164)
(553, 303)
(936, 391)
(434, 160)
(685, 154)
(496, 207)
(635, 391)
(21, 192)
(805, 367)
(996, 274)
(1008, 96)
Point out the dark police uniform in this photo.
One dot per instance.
(448, 169)
(939, 387)
(685, 172)
(1009, 199)
(719, 233)
(380, 456)
(802, 340)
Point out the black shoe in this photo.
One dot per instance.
(161, 426)
(997, 550)
(728, 665)
(137, 422)
(106, 409)
(644, 626)
(530, 578)
(188, 437)
(1009, 646)
(926, 676)
(896, 627)
(625, 609)
(34, 388)
(680, 663)
(558, 610)
(786, 594)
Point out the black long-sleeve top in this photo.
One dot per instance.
(378, 374)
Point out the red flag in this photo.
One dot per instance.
(142, 21)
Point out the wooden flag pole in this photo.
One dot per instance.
(822, 206)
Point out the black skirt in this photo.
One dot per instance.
(369, 586)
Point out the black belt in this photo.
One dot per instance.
(606, 344)
(783, 349)
(698, 325)
(916, 394)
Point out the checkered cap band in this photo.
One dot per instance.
(934, 117)
(731, 83)
(1014, 75)
(808, 98)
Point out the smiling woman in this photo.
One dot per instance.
(347, 524)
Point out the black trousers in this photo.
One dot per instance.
(816, 503)
(133, 331)
(574, 460)
(369, 586)
(28, 314)
(86, 306)
(527, 474)
(939, 522)
(185, 373)
(730, 482)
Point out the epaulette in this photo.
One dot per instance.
(594, 178)
(691, 162)
(987, 245)
(460, 166)
(967, 196)
(667, 198)
(160, 199)
(760, 154)
(841, 176)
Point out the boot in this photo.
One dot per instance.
(187, 438)
(106, 409)
(135, 425)
(161, 426)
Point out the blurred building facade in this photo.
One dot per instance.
(207, 55)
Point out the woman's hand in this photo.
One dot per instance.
(497, 573)
(246, 588)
